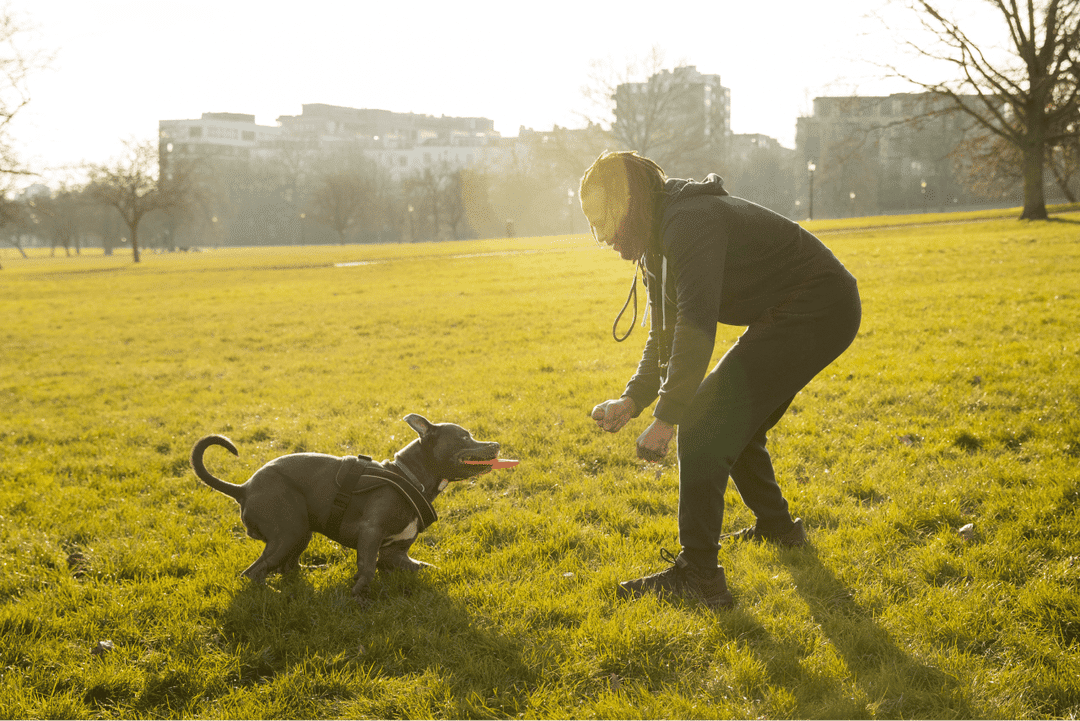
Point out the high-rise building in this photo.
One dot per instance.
(681, 118)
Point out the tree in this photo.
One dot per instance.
(12, 218)
(452, 200)
(130, 185)
(61, 213)
(1032, 104)
(993, 167)
(340, 201)
(1064, 162)
(660, 113)
(16, 66)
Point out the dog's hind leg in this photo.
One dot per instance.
(291, 562)
(282, 554)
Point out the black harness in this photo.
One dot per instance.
(359, 474)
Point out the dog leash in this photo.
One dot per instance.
(359, 474)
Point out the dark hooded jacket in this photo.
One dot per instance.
(720, 259)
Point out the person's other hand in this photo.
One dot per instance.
(652, 445)
(613, 415)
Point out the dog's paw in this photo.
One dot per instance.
(360, 593)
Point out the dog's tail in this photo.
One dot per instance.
(229, 489)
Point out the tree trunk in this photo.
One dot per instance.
(135, 241)
(1034, 197)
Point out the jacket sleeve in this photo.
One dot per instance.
(696, 250)
(645, 384)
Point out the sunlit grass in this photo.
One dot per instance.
(957, 404)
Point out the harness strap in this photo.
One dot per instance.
(348, 476)
(379, 476)
(360, 475)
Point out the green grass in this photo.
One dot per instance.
(958, 403)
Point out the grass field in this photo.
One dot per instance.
(959, 403)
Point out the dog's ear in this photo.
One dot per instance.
(421, 425)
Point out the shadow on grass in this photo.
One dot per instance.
(410, 651)
(895, 683)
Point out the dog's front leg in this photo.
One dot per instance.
(367, 555)
(395, 557)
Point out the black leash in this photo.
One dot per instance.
(632, 296)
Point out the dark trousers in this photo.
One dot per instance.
(743, 397)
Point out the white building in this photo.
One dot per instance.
(217, 136)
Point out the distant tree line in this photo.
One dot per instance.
(1025, 117)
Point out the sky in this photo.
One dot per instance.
(120, 66)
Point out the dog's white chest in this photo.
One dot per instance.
(406, 534)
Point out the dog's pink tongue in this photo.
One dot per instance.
(495, 463)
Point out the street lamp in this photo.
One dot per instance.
(303, 229)
(923, 196)
(851, 212)
(810, 167)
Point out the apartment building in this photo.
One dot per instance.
(680, 117)
(229, 138)
(879, 154)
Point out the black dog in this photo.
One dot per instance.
(376, 508)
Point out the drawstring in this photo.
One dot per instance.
(631, 296)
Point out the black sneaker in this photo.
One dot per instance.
(682, 580)
(794, 538)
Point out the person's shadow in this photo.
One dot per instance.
(894, 682)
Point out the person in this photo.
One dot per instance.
(708, 257)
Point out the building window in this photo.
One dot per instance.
(195, 132)
(249, 135)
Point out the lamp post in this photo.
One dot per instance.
(923, 197)
(810, 167)
(851, 212)
(303, 229)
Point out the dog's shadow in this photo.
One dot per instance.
(408, 625)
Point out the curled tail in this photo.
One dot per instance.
(229, 489)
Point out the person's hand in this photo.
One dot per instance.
(652, 445)
(613, 415)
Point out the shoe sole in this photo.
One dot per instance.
(778, 541)
(723, 601)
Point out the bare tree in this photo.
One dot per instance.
(423, 193)
(1030, 99)
(61, 213)
(12, 217)
(992, 167)
(1064, 162)
(453, 203)
(16, 66)
(340, 201)
(658, 112)
(130, 185)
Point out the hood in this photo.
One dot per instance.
(679, 189)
